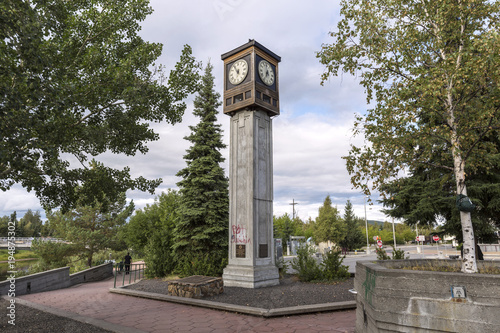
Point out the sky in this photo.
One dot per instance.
(313, 130)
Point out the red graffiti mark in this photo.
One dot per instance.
(239, 235)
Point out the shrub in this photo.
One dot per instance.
(196, 263)
(158, 255)
(381, 254)
(282, 267)
(398, 254)
(332, 266)
(306, 266)
(53, 254)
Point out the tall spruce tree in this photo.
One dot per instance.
(354, 237)
(201, 233)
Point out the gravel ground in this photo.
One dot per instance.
(290, 292)
(32, 320)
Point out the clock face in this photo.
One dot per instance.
(266, 72)
(238, 71)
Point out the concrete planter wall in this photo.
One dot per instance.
(55, 279)
(96, 273)
(401, 300)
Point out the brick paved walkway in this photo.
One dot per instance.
(93, 300)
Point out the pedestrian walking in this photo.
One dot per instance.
(128, 260)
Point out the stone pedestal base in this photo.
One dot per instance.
(250, 276)
(196, 286)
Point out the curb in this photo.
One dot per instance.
(74, 316)
(260, 312)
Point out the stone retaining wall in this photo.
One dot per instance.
(55, 279)
(400, 300)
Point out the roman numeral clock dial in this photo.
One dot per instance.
(238, 71)
(266, 72)
(251, 80)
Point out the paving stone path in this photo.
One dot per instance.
(132, 314)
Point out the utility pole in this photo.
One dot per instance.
(293, 205)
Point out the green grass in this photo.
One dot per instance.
(19, 254)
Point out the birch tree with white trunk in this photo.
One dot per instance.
(431, 70)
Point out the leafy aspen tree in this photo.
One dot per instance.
(77, 79)
(432, 71)
(201, 231)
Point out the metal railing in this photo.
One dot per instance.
(125, 273)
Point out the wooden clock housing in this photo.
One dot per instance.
(252, 92)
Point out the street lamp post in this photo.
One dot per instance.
(366, 224)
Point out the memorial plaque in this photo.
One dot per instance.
(263, 251)
(240, 251)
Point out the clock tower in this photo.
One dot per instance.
(251, 98)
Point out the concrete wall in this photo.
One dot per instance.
(401, 300)
(55, 279)
(96, 273)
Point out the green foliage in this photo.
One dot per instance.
(89, 228)
(330, 269)
(432, 69)
(30, 225)
(284, 227)
(282, 267)
(4, 226)
(200, 263)
(151, 231)
(430, 91)
(428, 196)
(20, 254)
(53, 254)
(398, 254)
(329, 225)
(76, 78)
(354, 236)
(202, 225)
(332, 266)
(306, 265)
(381, 254)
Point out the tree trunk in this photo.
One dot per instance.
(469, 264)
